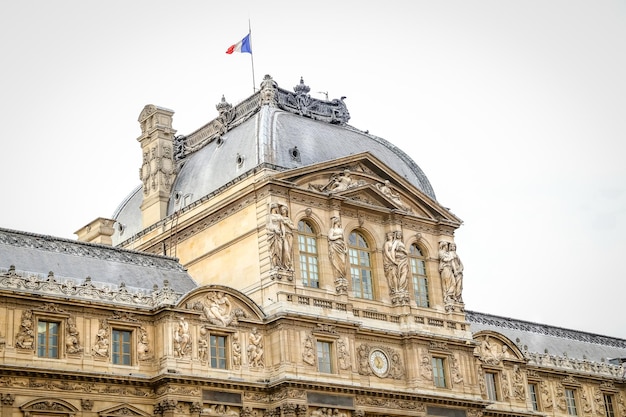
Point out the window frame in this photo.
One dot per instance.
(533, 395)
(226, 351)
(570, 401)
(492, 386)
(364, 275)
(417, 279)
(325, 366)
(306, 273)
(609, 404)
(441, 375)
(121, 330)
(59, 337)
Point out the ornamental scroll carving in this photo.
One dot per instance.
(220, 410)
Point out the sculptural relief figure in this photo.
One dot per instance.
(492, 353)
(426, 368)
(255, 349)
(308, 354)
(72, 344)
(217, 308)
(182, 339)
(339, 183)
(385, 188)
(143, 347)
(101, 347)
(343, 357)
(236, 351)
(337, 251)
(26, 336)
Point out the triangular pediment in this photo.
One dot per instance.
(364, 179)
(126, 410)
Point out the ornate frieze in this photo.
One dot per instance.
(89, 290)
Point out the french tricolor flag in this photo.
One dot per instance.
(241, 46)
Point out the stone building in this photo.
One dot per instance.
(276, 262)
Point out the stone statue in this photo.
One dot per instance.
(451, 271)
(337, 251)
(236, 351)
(288, 228)
(275, 237)
(385, 188)
(280, 237)
(396, 267)
(143, 347)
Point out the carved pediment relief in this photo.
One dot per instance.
(123, 410)
(493, 349)
(364, 178)
(222, 306)
(52, 406)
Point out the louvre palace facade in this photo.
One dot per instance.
(276, 262)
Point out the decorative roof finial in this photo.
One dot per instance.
(302, 88)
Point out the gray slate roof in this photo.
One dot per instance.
(542, 341)
(266, 135)
(30, 257)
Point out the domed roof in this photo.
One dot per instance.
(274, 127)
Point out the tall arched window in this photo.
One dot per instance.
(419, 279)
(307, 245)
(360, 266)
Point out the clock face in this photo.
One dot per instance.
(379, 362)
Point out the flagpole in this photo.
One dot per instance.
(251, 58)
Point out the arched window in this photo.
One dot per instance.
(419, 279)
(360, 266)
(307, 245)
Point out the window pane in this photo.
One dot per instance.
(571, 402)
(324, 357)
(490, 382)
(439, 375)
(218, 351)
(307, 244)
(419, 278)
(360, 267)
(608, 405)
(121, 347)
(532, 392)
(47, 339)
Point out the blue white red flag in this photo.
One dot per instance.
(241, 46)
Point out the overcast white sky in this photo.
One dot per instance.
(515, 110)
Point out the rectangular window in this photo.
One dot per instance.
(121, 347)
(490, 383)
(324, 357)
(532, 393)
(570, 399)
(439, 372)
(218, 352)
(608, 405)
(48, 339)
